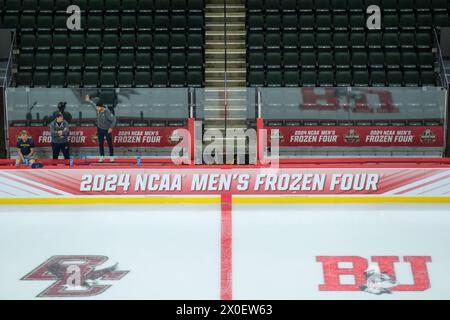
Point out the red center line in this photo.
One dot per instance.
(226, 289)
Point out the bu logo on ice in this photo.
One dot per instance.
(75, 276)
(377, 277)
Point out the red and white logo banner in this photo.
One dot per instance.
(283, 181)
(359, 136)
(87, 136)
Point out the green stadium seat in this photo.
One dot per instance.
(108, 79)
(159, 78)
(109, 60)
(394, 78)
(144, 40)
(309, 78)
(374, 39)
(340, 39)
(256, 59)
(256, 78)
(361, 78)
(142, 79)
(195, 40)
(126, 60)
(325, 59)
(76, 40)
(96, 6)
(75, 61)
(306, 5)
(342, 59)
(274, 78)
(130, 5)
(291, 59)
(92, 60)
(409, 59)
(59, 60)
(324, 40)
(307, 40)
(357, 39)
(290, 40)
(273, 21)
(60, 40)
(378, 78)
(177, 60)
(393, 59)
(326, 78)
(42, 59)
(125, 79)
(178, 40)
(194, 78)
(291, 78)
(27, 41)
(194, 60)
(26, 61)
(40, 79)
(128, 22)
(177, 78)
(93, 39)
(359, 59)
(344, 78)
(161, 59)
(376, 59)
(428, 78)
(256, 40)
(111, 22)
(273, 59)
(341, 21)
(90, 79)
(308, 59)
(273, 40)
(411, 78)
(57, 79)
(143, 60)
(24, 78)
(127, 40)
(145, 6)
(111, 40)
(73, 79)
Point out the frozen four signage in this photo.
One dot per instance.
(177, 181)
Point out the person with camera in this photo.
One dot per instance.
(59, 129)
(62, 110)
(106, 121)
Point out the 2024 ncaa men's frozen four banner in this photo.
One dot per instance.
(87, 136)
(282, 181)
(370, 136)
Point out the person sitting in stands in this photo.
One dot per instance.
(25, 149)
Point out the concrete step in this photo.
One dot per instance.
(221, 27)
(220, 45)
(213, 8)
(221, 64)
(233, 54)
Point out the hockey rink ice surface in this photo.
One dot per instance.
(273, 250)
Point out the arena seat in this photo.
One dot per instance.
(332, 38)
(115, 35)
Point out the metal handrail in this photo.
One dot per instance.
(442, 72)
(225, 62)
(6, 79)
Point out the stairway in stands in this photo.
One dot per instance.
(225, 71)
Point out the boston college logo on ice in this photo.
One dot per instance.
(75, 276)
(375, 276)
